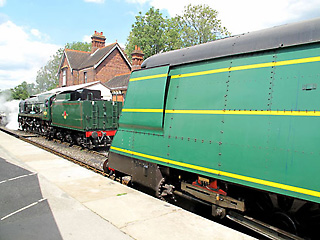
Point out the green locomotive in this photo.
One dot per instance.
(33, 115)
(78, 116)
(234, 122)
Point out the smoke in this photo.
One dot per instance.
(9, 111)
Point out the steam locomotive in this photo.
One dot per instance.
(79, 117)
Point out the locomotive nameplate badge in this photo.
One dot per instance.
(65, 115)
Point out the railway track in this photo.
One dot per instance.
(95, 161)
(89, 159)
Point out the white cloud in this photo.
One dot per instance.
(35, 32)
(2, 3)
(247, 15)
(95, 1)
(86, 38)
(21, 56)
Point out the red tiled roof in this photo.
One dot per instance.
(80, 59)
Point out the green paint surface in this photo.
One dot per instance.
(85, 115)
(277, 149)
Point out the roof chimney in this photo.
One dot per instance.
(137, 58)
(98, 41)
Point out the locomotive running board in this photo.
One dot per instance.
(212, 197)
(264, 229)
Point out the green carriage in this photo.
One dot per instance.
(240, 113)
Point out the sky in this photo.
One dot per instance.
(31, 31)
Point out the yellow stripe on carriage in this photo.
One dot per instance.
(149, 77)
(248, 112)
(222, 173)
(236, 68)
(142, 110)
(251, 66)
(229, 112)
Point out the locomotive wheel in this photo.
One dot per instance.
(284, 221)
(259, 205)
(79, 140)
(160, 189)
(164, 191)
(105, 167)
(285, 203)
(284, 213)
(308, 219)
(69, 138)
(90, 144)
(60, 135)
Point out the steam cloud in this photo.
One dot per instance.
(10, 110)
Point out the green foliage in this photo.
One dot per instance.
(20, 91)
(172, 35)
(47, 77)
(147, 32)
(81, 46)
(199, 24)
(153, 33)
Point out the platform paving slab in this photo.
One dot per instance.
(33, 207)
(85, 205)
(98, 187)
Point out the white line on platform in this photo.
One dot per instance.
(11, 179)
(24, 208)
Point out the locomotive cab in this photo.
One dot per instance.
(31, 113)
(80, 95)
(22, 106)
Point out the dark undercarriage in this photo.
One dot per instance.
(295, 216)
(45, 128)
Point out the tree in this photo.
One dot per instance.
(148, 32)
(20, 91)
(172, 34)
(81, 46)
(154, 33)
(199, 24)
(47, 77)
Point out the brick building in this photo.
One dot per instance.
(101, 64)
(118, 85)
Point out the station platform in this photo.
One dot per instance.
(43, 196)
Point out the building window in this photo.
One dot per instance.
(64, 77)
(85, 77)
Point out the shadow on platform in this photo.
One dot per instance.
(24, 213)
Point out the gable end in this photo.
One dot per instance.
(105, 56)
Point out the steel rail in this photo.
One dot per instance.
(60, 154)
